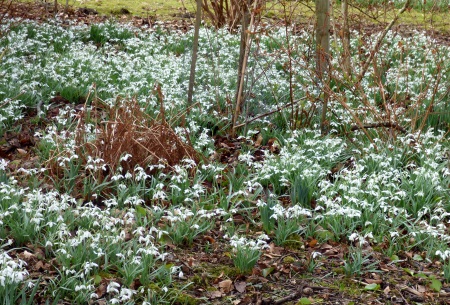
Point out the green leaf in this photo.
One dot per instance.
(97, 279)
(304, 301)
(436, 285)
(141, 210)
(409, 271)
(422, 275)
(324, 235)
(395, 258)
(417, 257)
(267, 271)
(372, 287)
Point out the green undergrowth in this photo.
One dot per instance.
(268, 206)
(428, 15)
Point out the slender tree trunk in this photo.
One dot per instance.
(242, 47)
(346, 61)
(322, 54)
(247, 19)
(198, 19)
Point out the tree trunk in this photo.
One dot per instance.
(322, 54)
(198, 19)
(346, 62)
(242, 48)
(243, 57)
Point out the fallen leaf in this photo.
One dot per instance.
(436, 285)
(259, 140)
(21, 151)
(209, 239)
(304, 301)
(372, 287)
(326, 247)
(97, 279)
(267, 271)
(312, 243)
(308, 290)
(27, 255)
(191, 262)
(417, 257)
(39, 266)
(421, 288)
(101, 290)
(386, 290)
(214, 294)
(372, 281)
(409, 271)
(240, 286)
(226, 286)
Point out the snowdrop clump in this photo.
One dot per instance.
(11, 271)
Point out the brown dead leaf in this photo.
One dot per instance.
(209, 239)
(39, 266)
(101, 289)
(286, 270)
(226, 286)
(312, 243)
(27, 255)
(387, 268)
(214, 294)
(240, 286)
(21, 151)
(331, 252)
(39, 252)
(326, 247)
(421, 288)
(373, 281)
(259, 140)
(387, 290)
(308, 291)
(376, 276)
(191, 262)
(274, 250)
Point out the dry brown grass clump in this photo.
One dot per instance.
(130, 131)
(121, 130)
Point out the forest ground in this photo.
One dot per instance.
(281, 276)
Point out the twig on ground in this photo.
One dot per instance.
(298, 294)
(410, 290)
(269, 113)
(377, 125)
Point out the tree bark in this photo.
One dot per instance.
(247, 23)
(198, 19)
(242, 47)
(322, 54)
(346, 61)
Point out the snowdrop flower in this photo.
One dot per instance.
(444, 255)
(125, 158)
(315, 254)
(112, 287)
(3, 164)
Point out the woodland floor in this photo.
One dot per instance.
(281, 275)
